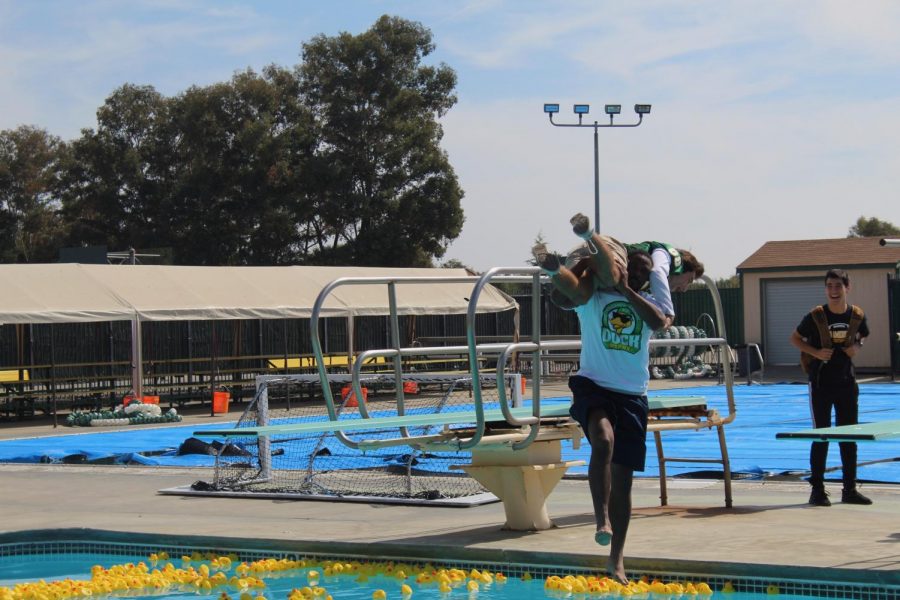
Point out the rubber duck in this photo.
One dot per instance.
(772, 589)
(405, 591)
(379, 595)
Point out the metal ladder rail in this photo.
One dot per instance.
(720, 425)
(534, 275)
(391, 282)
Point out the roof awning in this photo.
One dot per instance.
(65, 293)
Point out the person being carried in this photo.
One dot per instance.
(609, 390)
(828, 338)
(672, 269)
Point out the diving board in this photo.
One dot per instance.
(864, 432)
(549, 411)
(358, 424)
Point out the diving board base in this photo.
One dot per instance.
(522, 479)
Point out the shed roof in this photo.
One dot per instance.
(837, 252)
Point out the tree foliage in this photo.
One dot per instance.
(334, 161)
(389, 195)
(30, 226)
(872, 227)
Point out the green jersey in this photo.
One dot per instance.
(676, 266)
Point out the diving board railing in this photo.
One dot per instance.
(672, 418)
(397, 353)
(527, 428)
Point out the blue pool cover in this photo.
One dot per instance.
(762, 411)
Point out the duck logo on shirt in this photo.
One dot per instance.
(621, 327)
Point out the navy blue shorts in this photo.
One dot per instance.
(627, 413)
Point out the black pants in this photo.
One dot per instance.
(845, 400)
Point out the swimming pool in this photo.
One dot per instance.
(371, 568)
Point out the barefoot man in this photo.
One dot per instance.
(609, 391)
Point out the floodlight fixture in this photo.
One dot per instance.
(611, 110)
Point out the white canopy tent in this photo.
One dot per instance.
(67, 293)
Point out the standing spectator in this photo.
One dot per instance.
(828, 338)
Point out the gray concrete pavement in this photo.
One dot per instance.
(770, 524)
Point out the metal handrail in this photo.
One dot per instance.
(473, 350)
(391, 282)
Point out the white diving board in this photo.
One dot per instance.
(864, 432)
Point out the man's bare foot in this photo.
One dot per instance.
(616, 571)
(603, 536)
(581, 225)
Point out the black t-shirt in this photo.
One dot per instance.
(840, 368)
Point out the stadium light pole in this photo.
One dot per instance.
(610, 109)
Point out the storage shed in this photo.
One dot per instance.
(783, 280)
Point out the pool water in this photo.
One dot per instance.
(340, 580)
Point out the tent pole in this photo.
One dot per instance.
(137, 358)
(53, 375)
(212, 373)
(350, 349)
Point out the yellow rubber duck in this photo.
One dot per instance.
(379, 595)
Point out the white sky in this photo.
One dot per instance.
(771, 120)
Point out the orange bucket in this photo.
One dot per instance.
(220, 402)
(349, 398)
(522, 379)
(410, 387)
(150, 400)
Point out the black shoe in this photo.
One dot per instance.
(854, 497)
(819, 497)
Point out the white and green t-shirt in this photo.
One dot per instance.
(614, 343)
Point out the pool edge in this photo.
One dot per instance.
(448, 553)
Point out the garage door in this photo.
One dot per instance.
(786, 301)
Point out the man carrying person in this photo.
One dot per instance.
(828, 338)
(609, 391)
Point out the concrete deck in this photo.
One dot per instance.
(770, 524)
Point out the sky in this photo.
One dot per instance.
(771, 120)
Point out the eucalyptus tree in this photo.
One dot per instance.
(31, 229)
(384, 190)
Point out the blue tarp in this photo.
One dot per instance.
(763, 411)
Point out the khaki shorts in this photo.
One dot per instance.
(582, 252)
